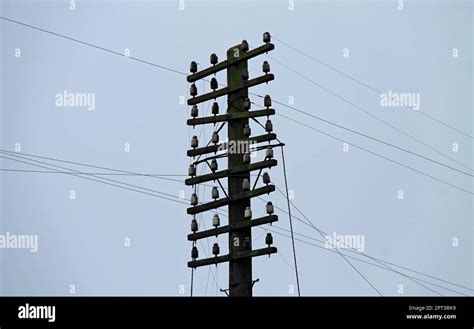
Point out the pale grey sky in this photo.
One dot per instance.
(81, 241)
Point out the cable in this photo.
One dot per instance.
(192, 274)
(382, 121)
(378, 155)
(382, 267)
(291, 222)
(96, 180)
(293, 240)
(92, 173)
(85, 164)
(92, 45)
(143, 61)
(81, 173)
(372, 138)
(325, 234)
(366, 255)
(88, 44)
(358, 259)
(367, 85)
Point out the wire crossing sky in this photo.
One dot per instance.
(134, 118)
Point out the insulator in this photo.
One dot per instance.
(193, 90)
(269, 208)
(245, 74)
(194, 111)
(269, 126)
(266, 178)
(266, 37)
(248, 213)
(266, 67)
(244, 46)
(194, 225)
(267, 101)
(215, 108)
(193, 67)
(269, 153)
(245, 184)
(215, 249)
(194, 199)
(246, 104)
(215, 192)
(214, 59)
(216, 221)
(194, 142)
(247, 131)
(215, 137)
(214, 165)
(214, 84)
(192, 170)
(194, 253)
(269, 239)
(247, 158)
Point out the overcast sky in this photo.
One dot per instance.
(98, 239)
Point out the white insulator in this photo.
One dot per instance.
(194, 142)
(269, 153)
(267, 101)
(269, 126)
(194, 199)
(194, 111)
(248, 213)
(215, 193)
(269, 208)
(245, 184)
(194, 226)
(192, 170)
(193, 90)
(216, 221)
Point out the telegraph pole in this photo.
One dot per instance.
(237, 149)
(240, 271)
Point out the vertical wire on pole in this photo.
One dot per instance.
(291, 222)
